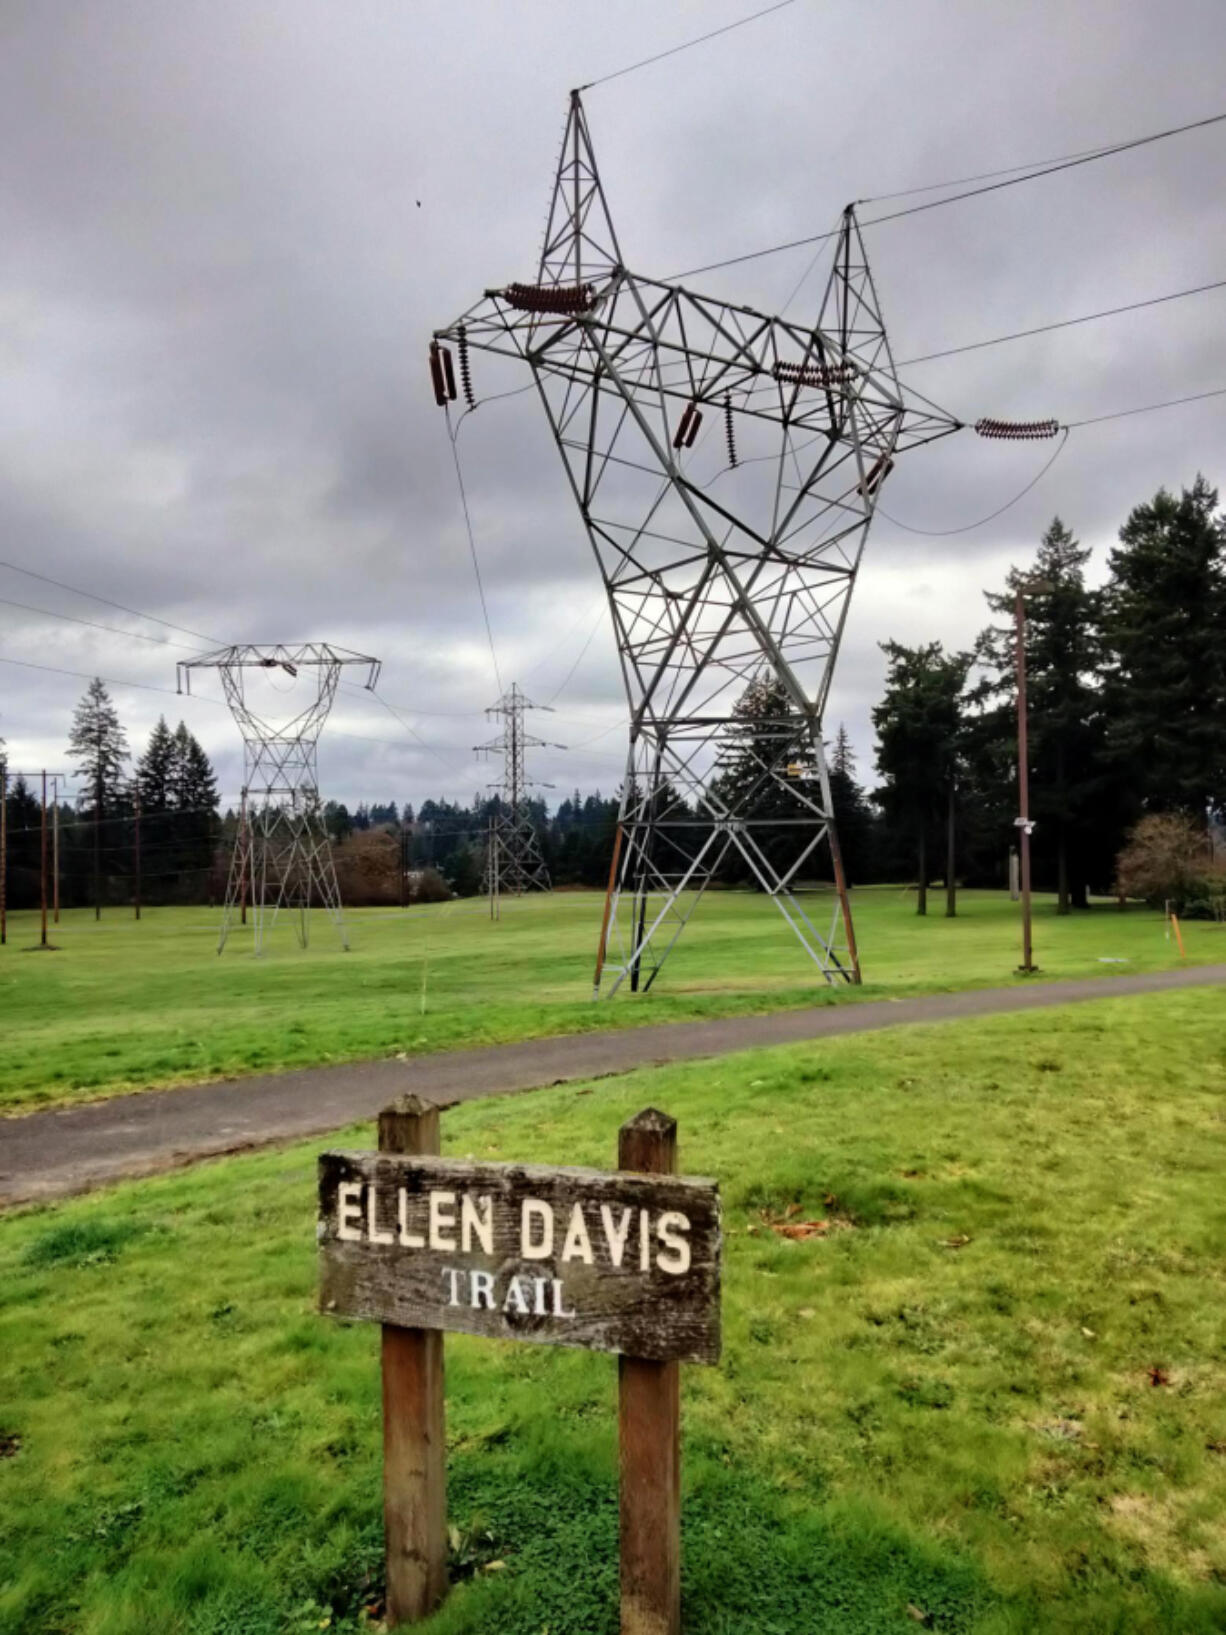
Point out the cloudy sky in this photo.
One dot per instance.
(230, 226)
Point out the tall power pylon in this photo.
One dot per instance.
(729, 560)
(282, 856)
(513, 861)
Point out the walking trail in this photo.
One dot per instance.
(50, 1154)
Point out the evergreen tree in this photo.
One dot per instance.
(1164, 628)
(98, 743)
(919, 726)
(155, 770)
(1068, 781)
(852, 815)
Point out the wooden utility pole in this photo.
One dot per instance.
(42, 870)
(136, 853)
(55, 847)
(951, 853)
(1023, 776)
(4, 853)
(414, 1443)
(649, 1416)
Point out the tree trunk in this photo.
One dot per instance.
(921, 899)
(1062, 902)
(951, 857)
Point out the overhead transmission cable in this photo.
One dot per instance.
(942, 533)
(472, 547)
(971, 193)
(121, 607)
(1063, 323)
(687, 45)
(1148, 408)
(112, 630)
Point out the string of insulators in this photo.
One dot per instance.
(815, 374)
(876, 475)
(1017, 428)
(562, 298)
(687, 427)
(442, 375)
(466, 379)
(728, 429)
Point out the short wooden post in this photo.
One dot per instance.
(649, 1416)
(414, 1438)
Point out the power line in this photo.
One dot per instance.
(971, 193)
(1148, 408)
(75, 590)
(112, 630)
(1064, 323)
(674, 50)
(472, 545)
(942, 533)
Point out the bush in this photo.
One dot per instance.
(1169, 857)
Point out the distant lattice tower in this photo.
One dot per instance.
(513, 860)
(282, 856)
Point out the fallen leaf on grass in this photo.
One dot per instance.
(797, 1230)
(1158, 1375)
(807, 1311)
(918, 1614)
(958, 1241)
(1089, 1334)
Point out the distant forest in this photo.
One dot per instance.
(1127, 722)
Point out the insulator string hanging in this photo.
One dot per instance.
(442, 376)
(466, 379)
(1015, 430)
(876, 475)
(687, 426)
(815, 374)
(565, 299)
(729, 431)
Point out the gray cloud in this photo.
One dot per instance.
(218, 285)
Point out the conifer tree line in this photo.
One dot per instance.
(170, 785)
(1127, 727)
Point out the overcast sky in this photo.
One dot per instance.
(230, 226)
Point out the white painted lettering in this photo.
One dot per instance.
(558, 1310)
(535, 1245)
(477, 1222)
(615, 1236)
(577, 1245)
(349, 1209)
(482, 1288)
(516, 1298)
(540, 1284)
(372, 1219)
(408, 1240)
(675, 1256)
(644, 1241)
(455, 1275)
(442, 1220)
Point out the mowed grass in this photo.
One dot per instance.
(991, 1398)
(133, 1005)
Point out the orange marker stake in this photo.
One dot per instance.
(1183, 952)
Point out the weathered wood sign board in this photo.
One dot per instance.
(577, 1257)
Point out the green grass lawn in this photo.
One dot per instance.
(125, 1004)
(990, 1398)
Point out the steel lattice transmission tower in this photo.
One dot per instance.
(282, 856)
(513, 861)
(729, 559)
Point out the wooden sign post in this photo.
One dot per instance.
(625, 1261)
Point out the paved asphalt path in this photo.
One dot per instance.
(50, 1154)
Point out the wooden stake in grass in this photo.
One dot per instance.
(649, 1421)
(1183, 952)
(414, 1445)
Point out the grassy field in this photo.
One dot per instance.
(989, 1396)
(125, 1004)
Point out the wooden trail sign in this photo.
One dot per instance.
(627, 1262)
